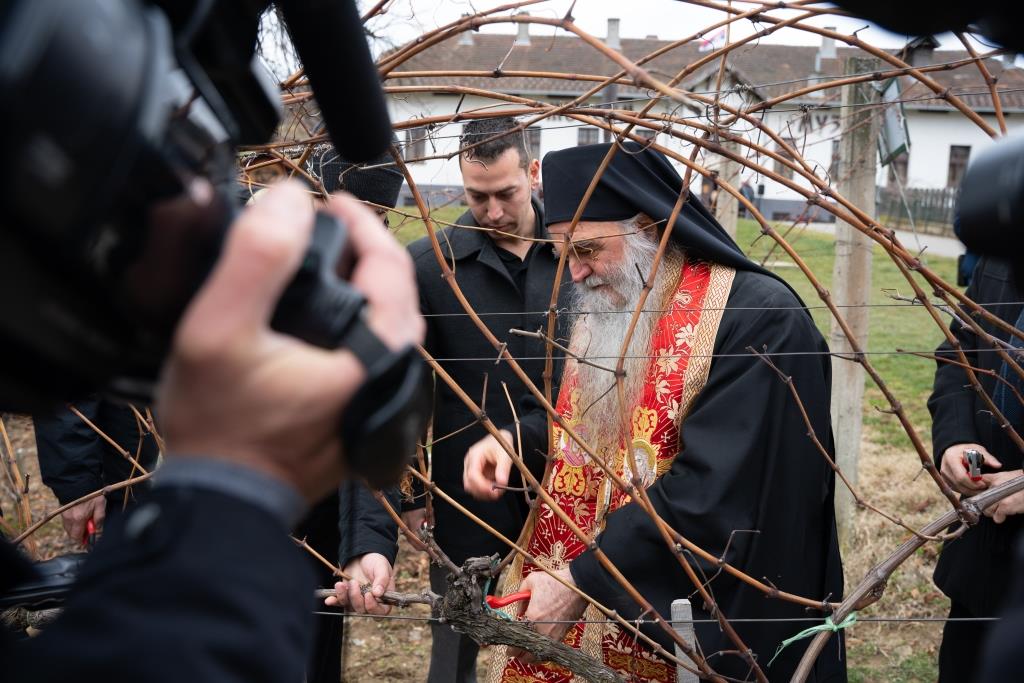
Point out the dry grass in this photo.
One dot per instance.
(51, 539)
(893, 480)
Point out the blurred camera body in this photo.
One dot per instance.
(121, 120)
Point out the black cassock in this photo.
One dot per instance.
(748, 483)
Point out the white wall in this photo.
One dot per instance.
(932, 134)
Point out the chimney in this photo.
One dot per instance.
(922, 56)
(612, 40)
(466, 37)
(920, 51)
(524, 32)
(826, 51)
(828, 45)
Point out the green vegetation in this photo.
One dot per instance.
(893, 325)
(407, 229)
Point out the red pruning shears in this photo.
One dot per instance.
(89, 538)
(973, 461)
(496, 602)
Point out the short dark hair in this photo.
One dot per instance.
(481, 129)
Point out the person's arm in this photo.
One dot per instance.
(70, 460)
(364, 524)
(200, 582)
(194, 584)
(487, 459)
(952, 405)
(533, 431)
(70, 457)
(369, 545)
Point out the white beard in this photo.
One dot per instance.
(598, 333)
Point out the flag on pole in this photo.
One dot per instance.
(713, 41)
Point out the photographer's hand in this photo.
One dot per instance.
(234, 389)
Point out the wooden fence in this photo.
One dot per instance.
(931, 208)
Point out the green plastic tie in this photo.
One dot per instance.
(808, 632)
(488, 608)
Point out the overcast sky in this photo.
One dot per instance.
(667, 19)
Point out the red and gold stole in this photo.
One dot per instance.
(681, 346)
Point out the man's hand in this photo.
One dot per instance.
(486, 467)
(234, 389)
(75, 518)
(550, 601)
(955, 472)
(415, 519)
(371, 577)
(1012, 504)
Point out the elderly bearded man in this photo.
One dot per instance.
(714, 435)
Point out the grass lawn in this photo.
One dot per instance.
(893, 325)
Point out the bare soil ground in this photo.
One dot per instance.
(399, 649)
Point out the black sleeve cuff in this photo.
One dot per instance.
(365, 525)
(591, 578)
(236, 481)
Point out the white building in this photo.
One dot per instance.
(941, 138)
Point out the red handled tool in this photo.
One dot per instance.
(972, 462)
(497, 602)
(89, 538)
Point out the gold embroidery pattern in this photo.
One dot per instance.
(571, 476)
(580, 488)
(704, 336)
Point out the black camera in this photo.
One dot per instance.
(120, 120)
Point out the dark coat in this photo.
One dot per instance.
(201, 587)
(976, 569)
(469, 358)
(74, 460)
(746, 466)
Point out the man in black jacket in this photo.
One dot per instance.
(975, 570)
(74, 460)
(200, 582)
(506, 272)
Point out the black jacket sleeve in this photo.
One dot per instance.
(533, 421)
(952, 402)
(192, 585)
(366, 527)
(69, 452)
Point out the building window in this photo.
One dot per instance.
(415, 144)
(781, 168)
(533, 142)
(645, 134)
(898, 170)
(958, 155)
(587, 136)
